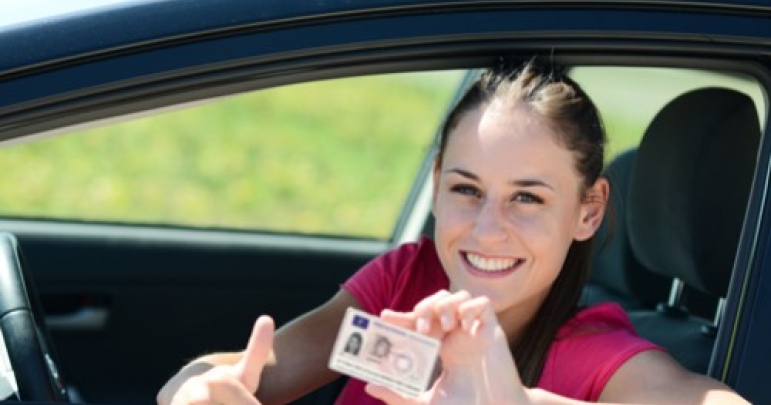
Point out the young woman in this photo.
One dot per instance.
(518, 196)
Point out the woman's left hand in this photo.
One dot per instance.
(477, 365)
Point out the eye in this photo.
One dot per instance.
(527, 198)
(466, 189)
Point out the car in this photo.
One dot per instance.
(172, 169)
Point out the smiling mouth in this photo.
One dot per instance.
(492, 266)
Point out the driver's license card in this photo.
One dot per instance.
(369, 349)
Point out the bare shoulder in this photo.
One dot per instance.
(654, 377)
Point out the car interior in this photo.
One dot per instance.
(686, 186)
(665, 251)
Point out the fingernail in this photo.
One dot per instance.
(422, 325)
(446, 322)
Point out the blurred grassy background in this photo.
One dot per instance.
(335, 157)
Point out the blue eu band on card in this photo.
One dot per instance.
(360, 321)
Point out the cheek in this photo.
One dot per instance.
(543, 232)
(548, 241)
(449, 214)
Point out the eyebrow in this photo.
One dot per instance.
(518, 183)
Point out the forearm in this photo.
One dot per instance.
(711, 397)
(302, 350)
(280, 382)
(291, 377)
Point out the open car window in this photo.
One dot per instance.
(334, 157)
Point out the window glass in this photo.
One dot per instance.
(334, 157)
(629, 97)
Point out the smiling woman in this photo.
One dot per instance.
(269, 160)
(518, 195)
(172, 169)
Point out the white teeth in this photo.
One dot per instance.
(487, 264)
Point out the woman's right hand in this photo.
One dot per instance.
(477, 366)
(224, 384)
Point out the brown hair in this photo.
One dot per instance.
(546, 91)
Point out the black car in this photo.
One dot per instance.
(172, 169)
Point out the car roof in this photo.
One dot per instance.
(40, 31)
(80, 61)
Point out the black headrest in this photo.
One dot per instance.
(614, 266)
(689, 186)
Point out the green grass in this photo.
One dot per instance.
(334, 157)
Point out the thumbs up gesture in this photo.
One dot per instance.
(232, 384)
(249, 368)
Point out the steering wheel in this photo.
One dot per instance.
(25, 337)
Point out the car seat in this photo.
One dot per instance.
(616, 275)
(688, 192)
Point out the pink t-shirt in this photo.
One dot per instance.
(586, 352)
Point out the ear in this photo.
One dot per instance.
(592, 209)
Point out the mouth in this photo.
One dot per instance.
(486, 266)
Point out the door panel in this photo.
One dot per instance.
(147, 306)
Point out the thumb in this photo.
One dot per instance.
(258, 351)
(389, 396)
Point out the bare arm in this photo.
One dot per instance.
(302, 350)
(653, 377)
(297, 366)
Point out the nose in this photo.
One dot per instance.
(490, 224)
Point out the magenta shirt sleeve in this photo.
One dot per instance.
(398, 279)
(372, 284)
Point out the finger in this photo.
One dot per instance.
(447, 309)
(389, 396)
(495, 361)
(258, 350)
(477, 312)
(427, 321)
(403, 319)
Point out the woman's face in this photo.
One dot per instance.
(508, 203)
